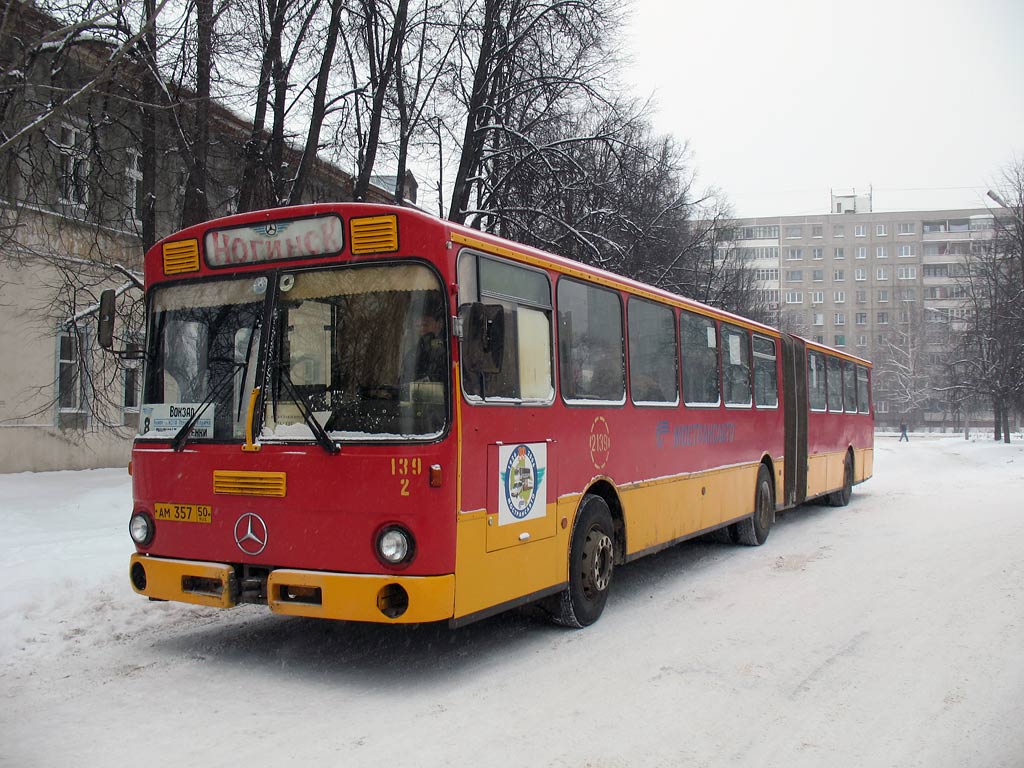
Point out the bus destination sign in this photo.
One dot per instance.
(274, 241)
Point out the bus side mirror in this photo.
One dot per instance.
(105, 333)
(483, 337)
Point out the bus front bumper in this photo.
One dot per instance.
(384, 599)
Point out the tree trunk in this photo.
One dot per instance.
(472, 142)
(196, 207)
(377, 112)
(997, 412)
(1006, 425)
(149, 148)
(316, 119)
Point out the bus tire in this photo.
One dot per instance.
(591, 564)
(753, 531)
(841, 497)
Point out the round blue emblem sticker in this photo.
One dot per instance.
(520, 481)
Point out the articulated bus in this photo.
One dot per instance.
(366, 413)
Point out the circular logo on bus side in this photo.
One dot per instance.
(251, 533)
(521, 480)
(600, 442)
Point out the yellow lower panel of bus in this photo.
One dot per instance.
(864, 464)
(667, 509)
(185, 581)
(361, 597)
(487, 579)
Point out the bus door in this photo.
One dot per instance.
(794, 389)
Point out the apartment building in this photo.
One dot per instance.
(887, 286)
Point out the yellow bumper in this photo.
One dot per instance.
(343, 596)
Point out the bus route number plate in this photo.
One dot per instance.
(184, 513)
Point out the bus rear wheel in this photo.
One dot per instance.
(591, 565)
(753, 531)
(841, 497)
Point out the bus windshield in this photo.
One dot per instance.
(358, 352)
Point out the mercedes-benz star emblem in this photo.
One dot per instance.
(251, 533)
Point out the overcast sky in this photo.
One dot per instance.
(781, 100)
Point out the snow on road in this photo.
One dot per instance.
(888, 633)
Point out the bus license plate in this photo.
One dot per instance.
(184, 513)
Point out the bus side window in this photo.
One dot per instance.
(736, 365)
(816, 381)
(862, 389)
(766, 382)
(590, 343)
(850, 386)
(653, 356)
(527, 370)
(698, 344)
(835, 384)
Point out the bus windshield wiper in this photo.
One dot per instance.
(181, 436)
(322, 438)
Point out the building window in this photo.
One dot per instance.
(838, 275)
(860, 274)
(862, 341)
(839, 297)
(818, 275)
(906, 228)
(794, 297)
(817, 253)
(817, 297)
(882, 318)
(840, 318)
(840, 340)
(861, 318)
(862, 297)
(816, 230)
(794, 230)
(839, 253)
(907, 294)
(794, 254)
(132, 384)
(819, 318)
(74, 166)
(882, 273)
(862, 252)
(71, 379)
(837, 230)
(906, 250)
(880, 230)
(906, 273)
(859, 230)
(133, 186)
(794, 275)
(883, 295)
(881, 253)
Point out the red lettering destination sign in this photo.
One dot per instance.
(274, 241)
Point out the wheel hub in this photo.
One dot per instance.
(598, 560)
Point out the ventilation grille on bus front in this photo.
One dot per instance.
(374, 234)
(182, 256)
(249, 483)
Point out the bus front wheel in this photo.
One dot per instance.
(753, 531)
(591, 564)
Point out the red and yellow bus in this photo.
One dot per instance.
(366, 413)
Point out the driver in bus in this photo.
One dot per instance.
(430, 358)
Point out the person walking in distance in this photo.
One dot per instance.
(903, 433)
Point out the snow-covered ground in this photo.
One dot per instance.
(888, 633)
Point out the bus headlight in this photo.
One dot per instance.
(395, 545)
(141, 528)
